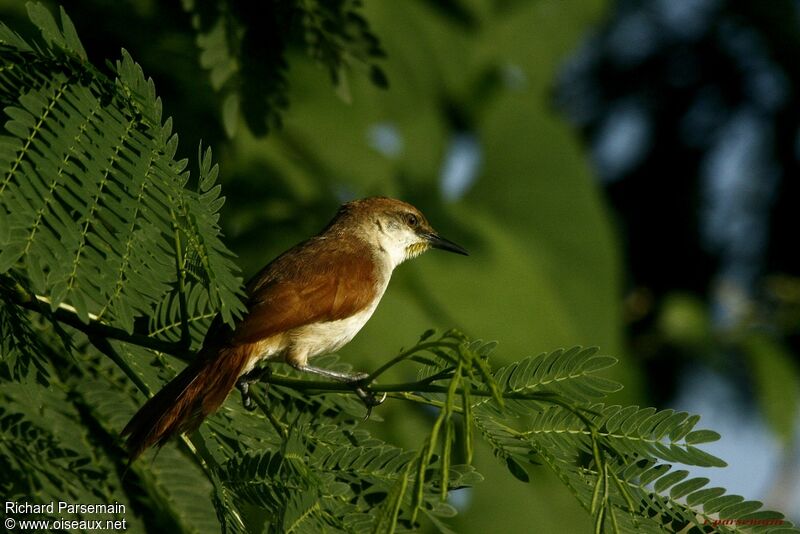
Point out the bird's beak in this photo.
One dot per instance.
(445, 244)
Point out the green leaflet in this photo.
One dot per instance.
(626, 483)
(92, 200)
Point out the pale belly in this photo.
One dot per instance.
(323, 338)
(301, 344)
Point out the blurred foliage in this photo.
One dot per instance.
(477, 68)
(689, 113)
(544, 267)
(243, 47)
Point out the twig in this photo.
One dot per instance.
(21, 297)
(406, 354)
(98, 330)
(186, 339)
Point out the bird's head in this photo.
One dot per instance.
(397, 228)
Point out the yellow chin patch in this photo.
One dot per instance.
(412, 251)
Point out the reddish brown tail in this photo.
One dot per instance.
(189, 398)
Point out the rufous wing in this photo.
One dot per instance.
(310, 283)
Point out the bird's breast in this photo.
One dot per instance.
(325, 337)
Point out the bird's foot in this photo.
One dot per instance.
(359, 381)
(244, 382)
(368, 398)
(244, 388)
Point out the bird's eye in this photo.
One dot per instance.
(411, 219)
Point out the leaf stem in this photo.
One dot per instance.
(186, 338)
(24, 299)
(405, 354)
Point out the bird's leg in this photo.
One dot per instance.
(244, 381)
(349, 378)
(356, 379)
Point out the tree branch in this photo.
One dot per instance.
(16, 294)
(422, 386)
(97, 330)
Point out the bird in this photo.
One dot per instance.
(309, 301)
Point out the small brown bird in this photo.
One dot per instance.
(310, 300)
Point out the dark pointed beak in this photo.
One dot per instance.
(445, 244)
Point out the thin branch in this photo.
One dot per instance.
(186, 339)
(408, 353)
(279, 427)
(102, 344)
(421, 386)
(97, 330)
(94, 328)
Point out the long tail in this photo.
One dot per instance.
(189, 398)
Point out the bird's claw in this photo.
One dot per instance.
(247, 401)
(243, 385)
(369, 399)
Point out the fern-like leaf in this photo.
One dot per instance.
(616, 460)
(91, 196)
